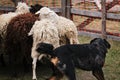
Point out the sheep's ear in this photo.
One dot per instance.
(38, 12)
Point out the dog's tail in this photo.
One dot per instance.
(45, 48)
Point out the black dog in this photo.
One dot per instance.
(90, 57)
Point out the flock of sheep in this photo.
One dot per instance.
(22, 30)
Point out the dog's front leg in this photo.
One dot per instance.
(98, 74)
(70, 70)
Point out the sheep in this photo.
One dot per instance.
(5, 18)
(42, 31)
(17, 42)
(21, 8)
(56, 21)
(18, 17)
(66, 28)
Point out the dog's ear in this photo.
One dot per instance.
(93, 40)
(107, 44)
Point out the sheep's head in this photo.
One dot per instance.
(43, 10)
(35, 8)
(22, 7)
(47, 13)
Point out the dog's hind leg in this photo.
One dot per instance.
(98, 74)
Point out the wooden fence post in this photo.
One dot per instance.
(68, 9)
(104, 35)
(63, 7)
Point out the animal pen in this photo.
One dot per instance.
(89, 19)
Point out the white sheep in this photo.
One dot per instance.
(66, 28)
(42, 31)
(5, 18)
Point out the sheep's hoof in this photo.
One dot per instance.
(34, 79)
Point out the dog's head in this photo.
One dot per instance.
(44, 48)
(101, 42)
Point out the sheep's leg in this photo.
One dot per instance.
(71, 41)
(34, 68)
(72, 37)
(76, 41)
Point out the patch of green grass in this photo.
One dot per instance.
(112, 65)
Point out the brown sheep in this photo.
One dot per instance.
(18, 43)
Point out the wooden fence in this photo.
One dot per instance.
(68, 11)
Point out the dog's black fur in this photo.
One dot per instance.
(90, 57)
